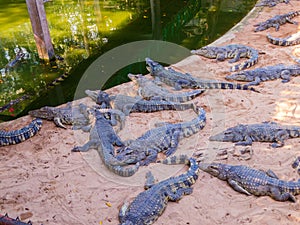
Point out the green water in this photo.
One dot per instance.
(82, 30)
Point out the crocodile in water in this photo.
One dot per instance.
(78, 116)
(233, 52)
(129, 104)
(251, 181)
(288, 41)
(17, 136)
(151, 203)
(103, 138)
(164, 138)
(276, 21)
(185, 80)
(255, 76)
(263, 132)
(148, 89)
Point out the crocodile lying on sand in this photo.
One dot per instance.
(263, 132)
(255, 76)
(233, 52)
(164, 138)
(18, 136)
(288, 41)
(128, 104)
(277, 20)
(185, 80)
(271, 3)
(148, 89)
(103, 138)
(150, 204)
(78, 116)
(251, 181)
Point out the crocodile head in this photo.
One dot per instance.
(240, 76)
(216, 169)
(138, 79)
(45, 112)
(207, 51)
(103, 100)
(153, 67)
(233, 134)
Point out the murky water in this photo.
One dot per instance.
(82, 30)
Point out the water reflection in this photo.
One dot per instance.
(81, 30)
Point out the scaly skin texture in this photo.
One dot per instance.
(164, 138)
(288, 41)
(6, 220)
(78, 116)
(18, 136)
(276, 21)
(251, 181)
(255, 76)
(263, 132)
(129, 104)
(103, 138)
(233, 52)
(150, 204)
(148, 89)
(185, 80)
(271, 3)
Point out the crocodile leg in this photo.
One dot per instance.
(150, 181)
(237, 187)
(270, 173)
(151, 156)
(285, 76)
(178, 194)
(236, 58)
(58, 122)
(220, 56)
(256, 81)
(90, 144)
(174, 143)
(277, 195)
(280, 137)
(248, 141)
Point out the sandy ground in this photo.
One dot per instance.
(42, 181)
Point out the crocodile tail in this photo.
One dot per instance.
(225, 85)
(124, 171)
(282, 41)
(175, 160)
(196, 124)
(183, 97)
(17, 136)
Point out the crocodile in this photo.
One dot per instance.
(255, 76)
(151, 203)
(20, 135)
(78, 116)
(129, 104)
(251, 181)
(185, 80)
(276, 21)
(6, 220)
(263, 132)
(233, 52)
(148, 89)
(163, 138)
(103, 138)
(288, 41)
(271, 3)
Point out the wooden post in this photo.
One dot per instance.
(156, 19)
(40, 29)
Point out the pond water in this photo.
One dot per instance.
(82, 30)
